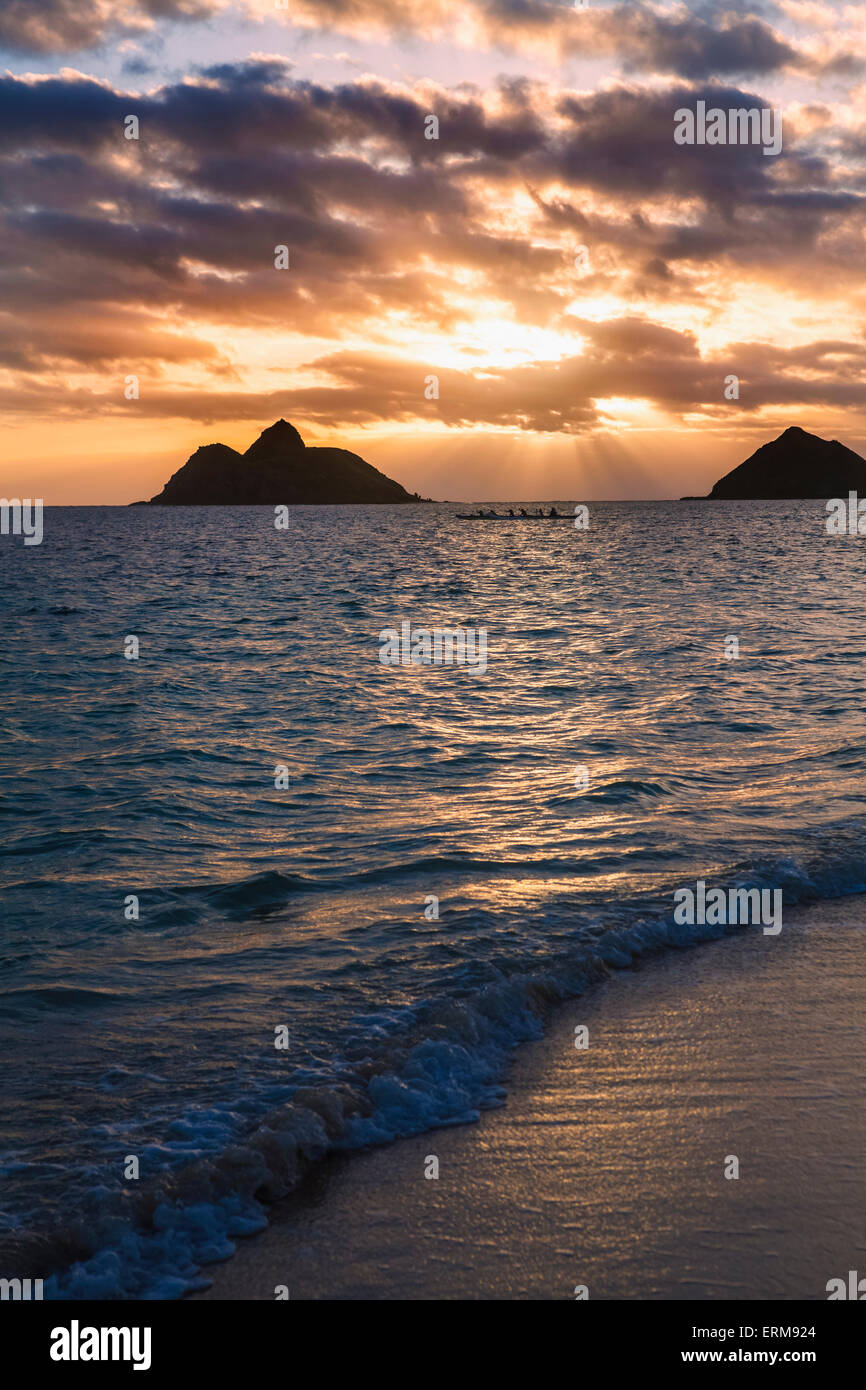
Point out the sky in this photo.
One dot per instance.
(580, 286)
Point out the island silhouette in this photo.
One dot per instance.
(278, 468)
(797, 464)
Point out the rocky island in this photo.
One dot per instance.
(797, 464)
(277, 468)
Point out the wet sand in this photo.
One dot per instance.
(606, 1167)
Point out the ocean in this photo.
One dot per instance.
(266, 895)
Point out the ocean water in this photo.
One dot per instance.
(302, 907)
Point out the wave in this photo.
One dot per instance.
(273, 888)
(441, 1062)
(270, 889)
(18, 1003)
(616, 793)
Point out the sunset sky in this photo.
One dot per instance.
(304, 126)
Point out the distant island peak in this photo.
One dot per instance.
(278, 467)
(796, 464)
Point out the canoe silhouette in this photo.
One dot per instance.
(468, 516)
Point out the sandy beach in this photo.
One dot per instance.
(606, 1167)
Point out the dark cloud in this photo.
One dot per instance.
(67, 26)
(707, 41)
(116, 250)
(703, 42)
(558, 397)
(696, 49)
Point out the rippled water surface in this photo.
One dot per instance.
(305, 906)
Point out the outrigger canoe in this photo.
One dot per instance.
(468, 516)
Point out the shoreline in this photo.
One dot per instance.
(606, 1166)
